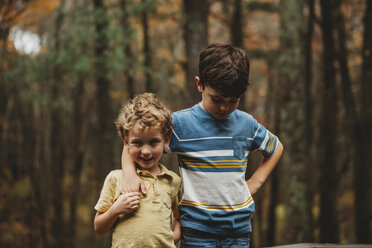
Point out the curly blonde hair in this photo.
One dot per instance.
(146, 111)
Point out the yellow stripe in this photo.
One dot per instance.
(201, 163)
(209, 166)
(215, 161)
(271, 143)
(217, 207)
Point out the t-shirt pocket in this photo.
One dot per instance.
(240, 146)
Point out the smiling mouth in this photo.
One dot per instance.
(146, 159)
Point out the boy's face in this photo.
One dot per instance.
(215, 103)
(146, 147)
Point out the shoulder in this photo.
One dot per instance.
(176, 179)
(183, 113)
(115, 173)
(184, 120)
(243, 115)
(114, 176)
(243, 119)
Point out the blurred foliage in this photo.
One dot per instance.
(56, 87)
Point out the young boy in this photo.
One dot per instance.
(145, 126)
(212, 140)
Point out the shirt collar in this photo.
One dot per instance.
(163, 173)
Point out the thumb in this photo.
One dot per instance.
(143, 188)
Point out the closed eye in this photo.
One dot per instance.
(217, 100)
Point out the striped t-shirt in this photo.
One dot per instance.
(212, 156)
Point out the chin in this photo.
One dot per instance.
(146, 166)
(220, 117)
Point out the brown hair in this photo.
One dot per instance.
(146, 111)
(225, 69)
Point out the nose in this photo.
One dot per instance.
(145, 151)
(224, 108)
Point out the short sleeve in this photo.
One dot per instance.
(107, 195)
(174, 139)
(263, 140)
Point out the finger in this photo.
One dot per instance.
(134, 207)
(133, 194)
(143, 188)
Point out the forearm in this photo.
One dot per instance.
(127, 164)
(103, 222)
(131, 181)
(176, 230)
(264, 170)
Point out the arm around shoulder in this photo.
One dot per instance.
(131, 181)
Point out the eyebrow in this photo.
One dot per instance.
(224, 98)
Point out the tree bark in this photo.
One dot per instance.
(146, 47)
(105, 128)
(292, 119)
(329, 182)
(195, 36)
(362, 170)
(236, 25)
(236, 30)
(79, 139)
(128, 65)
(273, 101)
(57, 143)
(309, 112)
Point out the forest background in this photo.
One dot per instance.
(66, 66)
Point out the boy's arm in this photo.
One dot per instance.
(126, 203)
(176, 229)
(131, 181)
(265, 168)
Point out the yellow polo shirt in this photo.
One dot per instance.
(151, 224)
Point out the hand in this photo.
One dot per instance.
(253, 186)
(133, 184)
(126, 203)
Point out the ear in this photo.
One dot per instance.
(125, 143)
(167, 141)
(198, 84)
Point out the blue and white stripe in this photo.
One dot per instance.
(212, 156)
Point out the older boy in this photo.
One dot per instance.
(142, 221)
(212, 140)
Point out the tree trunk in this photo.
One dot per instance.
(236, 25)
(128, 65)
(272, 106)
(329, 224)
(362, 170)
(79, 140)
(236, 30)
(57, 143)
(195, 36)
(146, 47)
(105, 128)
(309, 112)
(292, 119)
